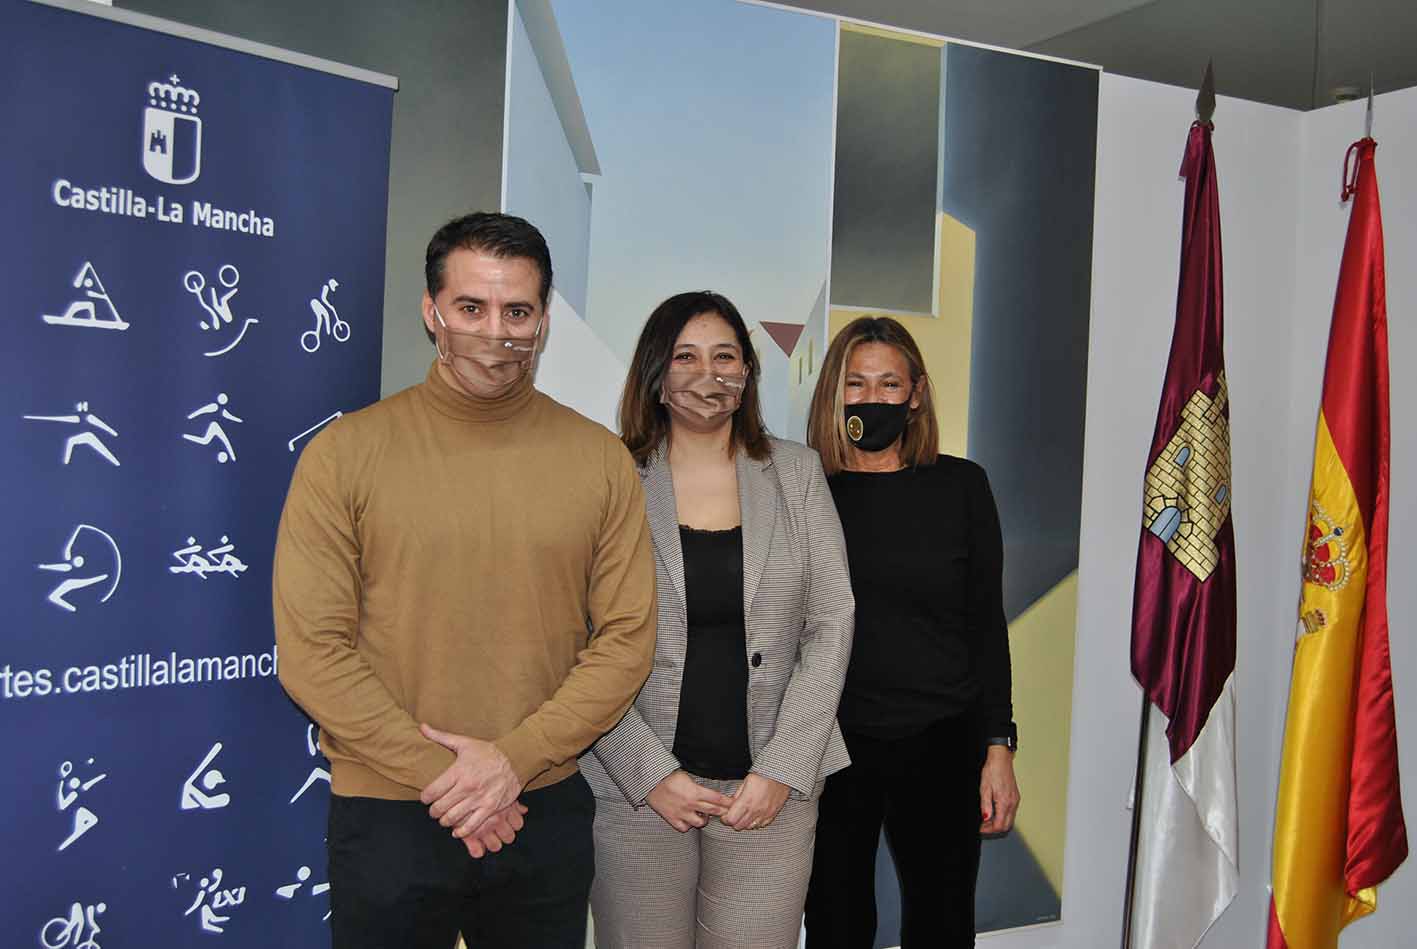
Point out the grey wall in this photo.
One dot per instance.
(450, 59)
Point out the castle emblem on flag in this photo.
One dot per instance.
(1187, 493)
(1325, 551)
(172, 133)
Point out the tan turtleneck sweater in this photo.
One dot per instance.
(483, 566)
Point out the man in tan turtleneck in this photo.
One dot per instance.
(464, 601)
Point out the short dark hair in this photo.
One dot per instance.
(644, 421)
(501, 235)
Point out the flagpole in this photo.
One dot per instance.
(1136, 823)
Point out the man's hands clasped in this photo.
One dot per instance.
(476, 797)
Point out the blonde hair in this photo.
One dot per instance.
(826, 425)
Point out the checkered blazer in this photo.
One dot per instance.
(799, 615)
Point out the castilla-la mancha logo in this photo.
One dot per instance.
(172, 133)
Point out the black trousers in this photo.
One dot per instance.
(925, 791)
(399, 880)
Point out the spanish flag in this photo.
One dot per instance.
(1339, 831)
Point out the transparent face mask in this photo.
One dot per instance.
(705, 396)
(487, 365)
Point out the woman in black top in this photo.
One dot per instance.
(926, 711)
(706, 792)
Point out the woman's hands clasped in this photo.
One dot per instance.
(684, 803)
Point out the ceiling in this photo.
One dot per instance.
(1292, 53)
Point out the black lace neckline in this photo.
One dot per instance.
(708, 532)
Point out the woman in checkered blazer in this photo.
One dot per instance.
(707, 790)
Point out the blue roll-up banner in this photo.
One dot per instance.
(192, 250)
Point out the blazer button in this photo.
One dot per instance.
(757, 659)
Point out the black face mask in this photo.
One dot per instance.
(874, 426)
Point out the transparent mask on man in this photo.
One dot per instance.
(704, 395)
(486, 364)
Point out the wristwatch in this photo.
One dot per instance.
(1009, 741)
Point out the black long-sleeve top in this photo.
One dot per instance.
(926, 559)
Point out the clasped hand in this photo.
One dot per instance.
(684, 803)
(477, 795)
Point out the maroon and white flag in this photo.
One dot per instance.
(1183, 610)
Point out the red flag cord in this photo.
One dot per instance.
(1350, 168)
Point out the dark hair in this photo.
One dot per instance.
(644, 421)
(501, 235)
(826, 428)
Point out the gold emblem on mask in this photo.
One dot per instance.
(854, 428)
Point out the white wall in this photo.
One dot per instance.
(577, 368)
(543, 179)
(1282, 231)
